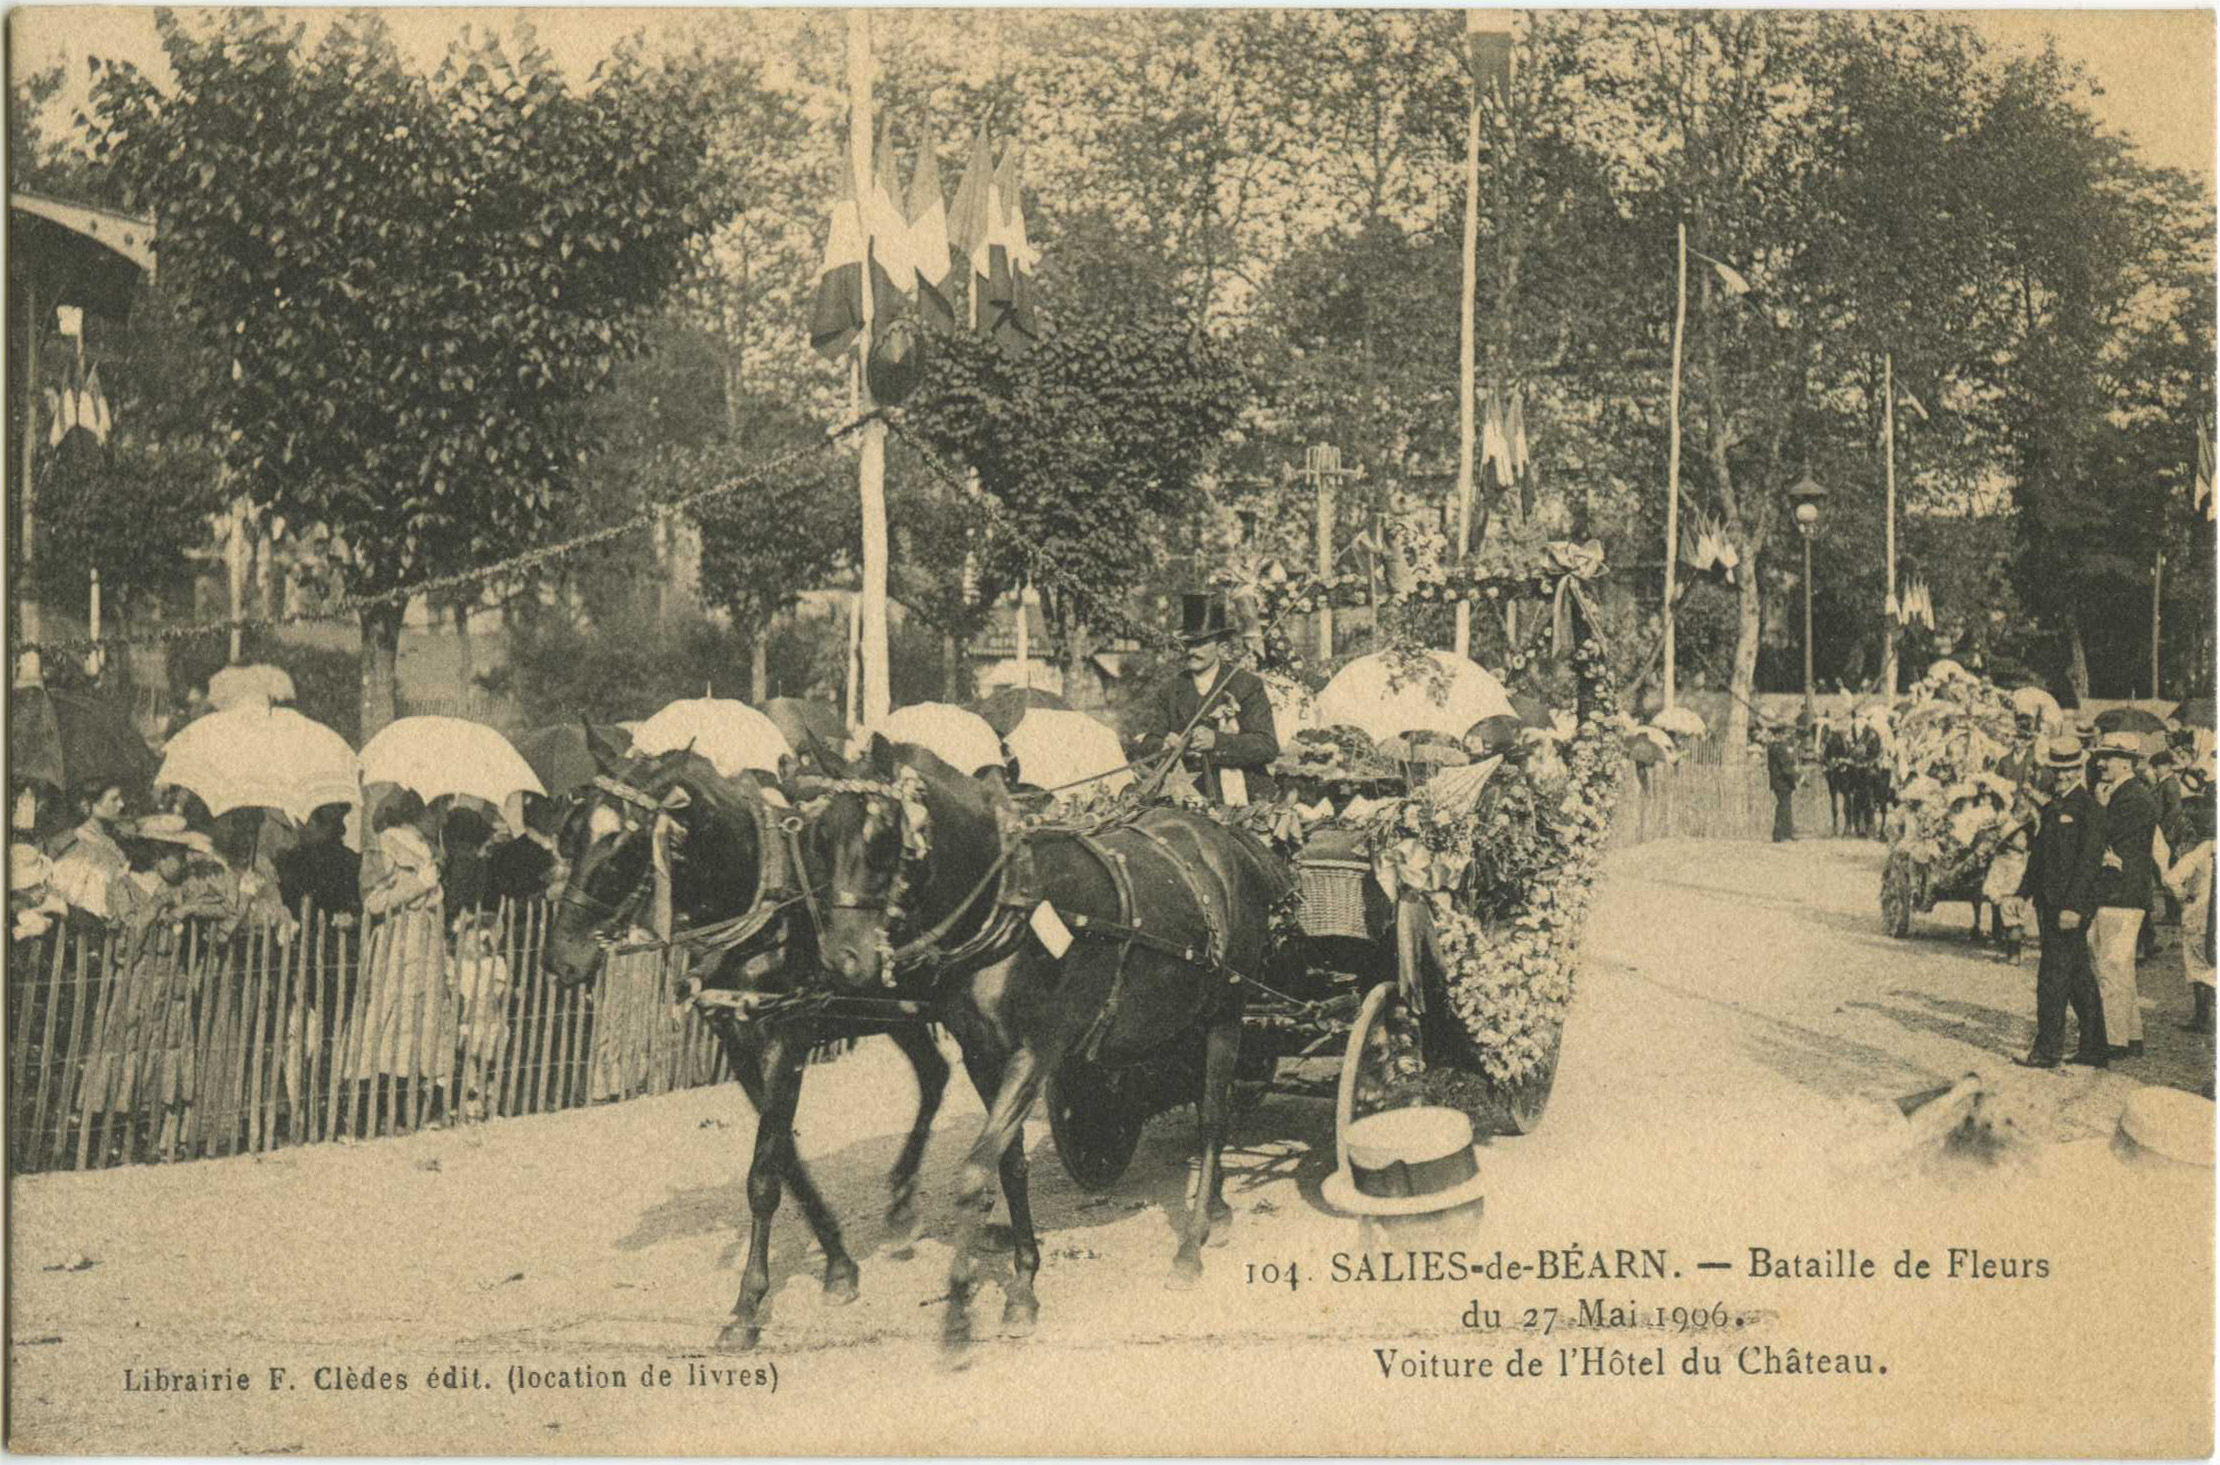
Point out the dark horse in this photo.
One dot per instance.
(728, 864)
(1164, 914)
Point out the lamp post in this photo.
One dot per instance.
(1806, 497)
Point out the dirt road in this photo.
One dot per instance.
(1740, 1032)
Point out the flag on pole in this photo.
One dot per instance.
(1514, 430)
(2207, 492)
(928, 221)
(1489, 30)
(887, 225)
(1731, 278)
(836, 305)
(1005, 264)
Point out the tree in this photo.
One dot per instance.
(785, 533)
(418, 279)
(1092, 443)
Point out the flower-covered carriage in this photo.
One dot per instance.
(1451, 870)
(1957, 828)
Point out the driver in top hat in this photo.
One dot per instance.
(1234, 739)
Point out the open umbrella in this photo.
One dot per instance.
(2037, 703)
(1006, 708)
(957, 736)
(2130, 719)
(1388, 693)
(446, 755)
(236, 684)
(254, 756)
(1682, 721)
(1057, 748)
(1531, 709)
(559, 756)
(70, 739)
(732, 735)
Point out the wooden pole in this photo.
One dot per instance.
(1888, 458)
(1811, 715)
(878, 698)
(2158, 576)
(1467, 370)
(1024, 633)
(1326, 561)
(33, 328)
(1672, 459)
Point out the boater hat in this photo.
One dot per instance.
(2062, 753)
(2118, 745)
(1407, 1162)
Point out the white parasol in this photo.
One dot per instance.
(732, 735)
(1388, 693)
(446, 755)
(258, 756)
(1682, 720)
(238, 685)
(2038, 704)
(1056, 748)
(959, 737)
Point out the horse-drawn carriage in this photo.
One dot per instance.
(1958, 821)
(1120, 961)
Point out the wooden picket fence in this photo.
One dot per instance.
(1690, 800)
(202, 1043)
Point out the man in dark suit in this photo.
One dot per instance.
(1780, 775)
(1234, 739)
(2061, 879)
(2124, 879)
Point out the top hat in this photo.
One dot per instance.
(2118, 745)
(1203, 619)
(2064, 752)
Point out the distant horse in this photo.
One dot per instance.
(728, 865)
(1164, 914)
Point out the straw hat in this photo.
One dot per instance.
(1407, 1162)
(170, 829)
(2118, 745)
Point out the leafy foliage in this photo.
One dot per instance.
(417, 279)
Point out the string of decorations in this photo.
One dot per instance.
(349, 607)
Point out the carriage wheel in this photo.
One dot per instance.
(1896, 895)
(1096, 1126)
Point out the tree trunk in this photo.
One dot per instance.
(2077, 659)
(949, 665)
(466, 671)
(1743, 686)
(381, 649)
(759, 663)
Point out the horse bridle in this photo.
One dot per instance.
(608, 917)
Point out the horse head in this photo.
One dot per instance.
(896, 839)
(708, 854)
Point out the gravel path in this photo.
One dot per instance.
(1741, 1031)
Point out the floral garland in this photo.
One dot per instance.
(1508, 876)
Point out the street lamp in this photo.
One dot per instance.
(1806, 498)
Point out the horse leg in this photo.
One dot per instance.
(931, 1068)
(774, 1149)
(841, 1274)
(1221, 1054)
(1020, 1309)
(1021, 1076)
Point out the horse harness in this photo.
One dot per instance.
(775, 882)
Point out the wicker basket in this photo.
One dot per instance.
(1334, 897)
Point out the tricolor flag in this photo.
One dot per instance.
(1495, 443)
(928, 221)
(1002, 267)
(836, 307)
(894, 271)
(967, 216)
(1514, 430)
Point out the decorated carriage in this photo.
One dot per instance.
(1440, 835)
(1958, 821)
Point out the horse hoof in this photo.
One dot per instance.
(841, 1285)
(1020, 1318)
(738, 1337)
(1185, 1274)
